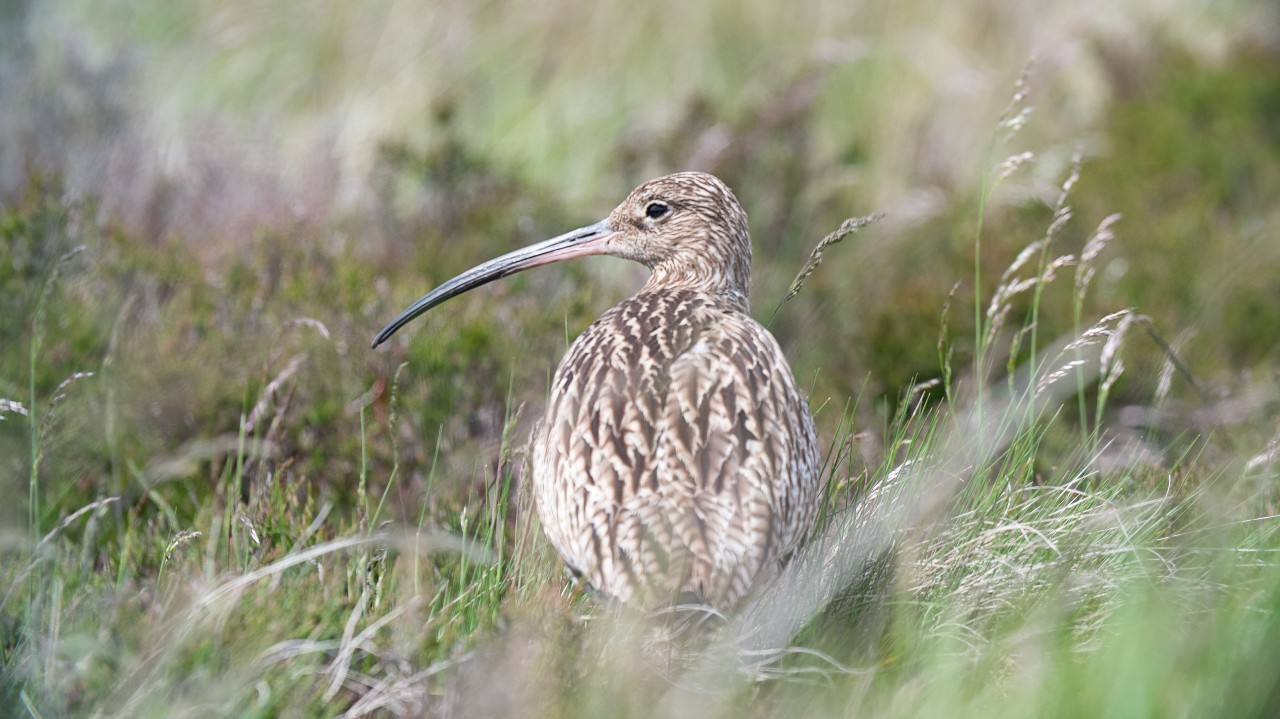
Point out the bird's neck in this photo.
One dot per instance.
(728, 288)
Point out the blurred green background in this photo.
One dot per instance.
(235, 168)
(258, 187)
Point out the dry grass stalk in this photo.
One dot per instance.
(1110, 331)
(1011, 285)
(1164, 381)
(8, 406)
(1110, 363)
(1175, 359)
(1013, 163)
(178, 540)
(846, 228)
(1001, 300)
(74, 516)
(1093, 247)
(271, 392)
(1015, 116)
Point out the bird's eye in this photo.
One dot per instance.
(656, 210)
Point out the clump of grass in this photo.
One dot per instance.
(35, 422)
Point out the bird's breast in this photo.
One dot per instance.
(673, 441)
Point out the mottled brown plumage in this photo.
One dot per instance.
(677, 455)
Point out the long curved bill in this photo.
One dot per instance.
(589, 240)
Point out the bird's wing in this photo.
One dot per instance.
(736, 456)
(594, 459)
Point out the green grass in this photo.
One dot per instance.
(222, 503)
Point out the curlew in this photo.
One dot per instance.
(677, 458)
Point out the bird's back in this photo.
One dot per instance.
(677, 454)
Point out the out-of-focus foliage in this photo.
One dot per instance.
(208, 208)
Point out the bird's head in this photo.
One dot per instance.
(688, 228)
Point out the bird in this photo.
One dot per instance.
(677, 459)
